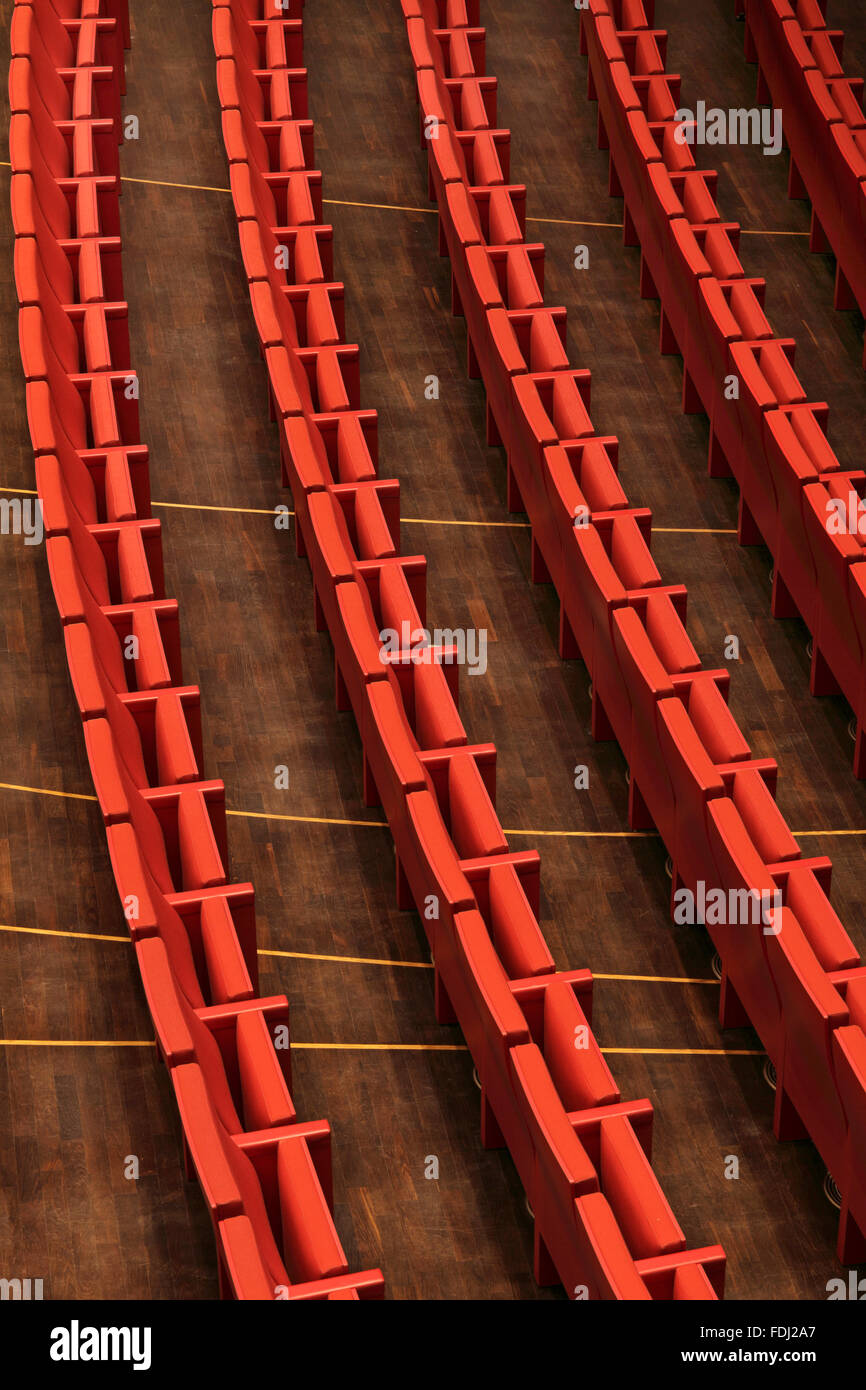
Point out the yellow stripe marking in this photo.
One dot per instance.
(351, 960)
(688, 1051)
(383, 824)
(408, 520)
(382, 207)
(438, 521)
(342, 820)
(204, 507)
(347, 960)
(166, 183)
(45, 791)
(430, 211)
(272, 511)
(659, 979)
(74, 1042)
(572, 222)
(759, 231)
(308, 820)
(380, 1047)
(399, 207)
(695, 530)
(802, 834)
(77, 935)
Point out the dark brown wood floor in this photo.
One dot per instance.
(70, 1115)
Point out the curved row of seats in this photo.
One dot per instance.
(793, 494)
(602, 1224)
(266, 1177)
(796, 976)
(800, 69)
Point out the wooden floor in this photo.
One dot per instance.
(69, 1115)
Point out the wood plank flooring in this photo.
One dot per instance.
(68, 1116)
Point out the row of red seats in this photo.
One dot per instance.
(692, 774)
(602, 1224)
(800, 69)
(793, 495)
(266, 1176)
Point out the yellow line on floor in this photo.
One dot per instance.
(262, 951)
(759, 231)
(247, 815)
(572, 222)
(347, 960)
(205, 507)
(408, 520)
(45, 791)
(308, 820)
(166, 183)
(383, 824)
(803, 834)
(696, 530)
(271, 511)
(382, 207)
(579, 222)
(76, 935)
(342, 820)
(658, 979)
(431, 211)
(189, 506)
(299, 1046)
(399, 207)
(438, 521)
(381, 1047)
(75, 1042)
(687, 1051)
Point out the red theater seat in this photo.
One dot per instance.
(118, 564)
(272, 1178)
(208, 934)
(248, 1079)
(849, 1058)
(71, 110)
(259, 44)
(91, 43)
